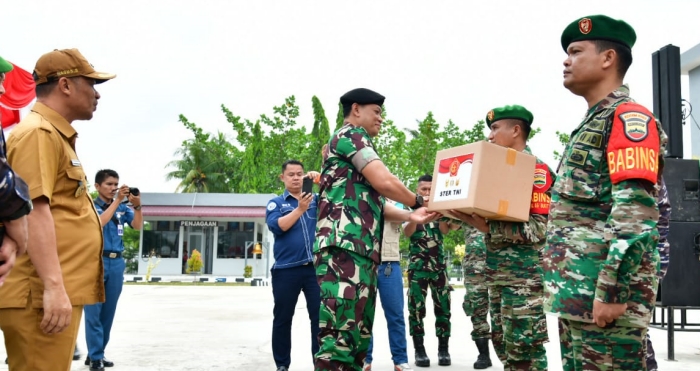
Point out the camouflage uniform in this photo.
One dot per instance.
(601, 245)
(664, 251)
(513, 274)
(427, 269)
(348, 237)
(476, 296)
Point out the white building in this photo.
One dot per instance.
(224, 228)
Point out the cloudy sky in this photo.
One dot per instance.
(457, 59)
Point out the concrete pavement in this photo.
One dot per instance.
(161, 327)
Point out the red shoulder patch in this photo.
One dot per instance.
(542, 183)
(633, 148)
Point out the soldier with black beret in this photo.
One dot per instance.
(600, 260)
(351, 212)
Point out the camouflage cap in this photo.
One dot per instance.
(5, 66)
(514, 112)
(598, 27)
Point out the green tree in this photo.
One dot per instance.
(252, 163)
(205, 164)
(564, 140)
(339, 118)
(131, 249)
(266, 144)
(319, 136)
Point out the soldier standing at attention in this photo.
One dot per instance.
(351, 214)
(513, 261)
(427, 269)
(476, 295)
(601, 260)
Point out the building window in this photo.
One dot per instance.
(232, 241)
(163, 240)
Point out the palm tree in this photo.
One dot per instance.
(203, 167)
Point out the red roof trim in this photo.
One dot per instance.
(205, 211)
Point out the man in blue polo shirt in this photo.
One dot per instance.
(113, 215)
(292, 219)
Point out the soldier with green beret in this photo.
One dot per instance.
(600, 260)
(513, 268)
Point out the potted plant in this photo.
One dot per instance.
(248, 273)
(194, 264)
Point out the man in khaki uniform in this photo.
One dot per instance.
(42, 301)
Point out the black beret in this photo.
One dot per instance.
(361, 96)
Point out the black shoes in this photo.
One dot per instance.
(483, 360)
(76, 354)
(443, 353)
(422, 359)
(105, 362)
(97, 365)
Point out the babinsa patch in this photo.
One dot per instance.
(540, 178)
(636, 125)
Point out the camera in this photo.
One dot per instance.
(134, 191)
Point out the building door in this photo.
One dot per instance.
(195, 240)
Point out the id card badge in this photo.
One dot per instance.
(120, 230)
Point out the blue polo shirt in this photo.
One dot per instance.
(295, 246)
(124, 214)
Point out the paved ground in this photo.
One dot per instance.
(228, 328)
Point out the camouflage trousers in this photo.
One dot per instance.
(476, 306)
(651, 355)
(348, 284)
(585, 346)
(519, 327)
(418, 284)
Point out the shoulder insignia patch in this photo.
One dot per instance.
(633, 147)
(542, 183)
(271, 206)
(540, 178)
(636, 125)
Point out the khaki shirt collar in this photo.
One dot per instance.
(60, 123)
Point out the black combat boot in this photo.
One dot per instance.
(443, 353)
(483, 360)
(422, 359)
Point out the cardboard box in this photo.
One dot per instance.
(483, 178)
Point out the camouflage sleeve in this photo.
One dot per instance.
(529, 233)
(630, 227)
(356, 146)
(664, 217)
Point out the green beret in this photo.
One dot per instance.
(598, 27)
(361, 96)
(5, 66)
(509, 112)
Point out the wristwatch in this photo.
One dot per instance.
(419, 201)
(137, 207)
